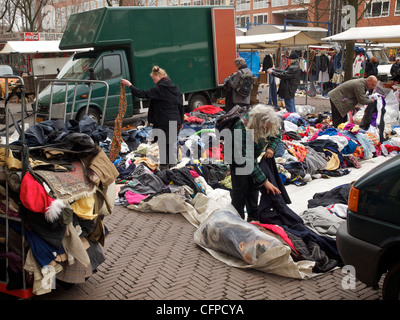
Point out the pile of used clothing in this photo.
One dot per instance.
(200, 184)
(63, 188)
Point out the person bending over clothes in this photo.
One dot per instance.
(345, 97)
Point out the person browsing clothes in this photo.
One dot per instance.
(345, 97)
(263, 123)
(165, 110)
(290, 80)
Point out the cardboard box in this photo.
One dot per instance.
(263, 77)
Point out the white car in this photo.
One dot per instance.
(384, 63)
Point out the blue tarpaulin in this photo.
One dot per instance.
(253, 61)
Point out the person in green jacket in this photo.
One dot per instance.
(255, 132)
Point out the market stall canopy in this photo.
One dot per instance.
(33, 47)
(378, 34)
(263, 41)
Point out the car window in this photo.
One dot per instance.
(108, 67)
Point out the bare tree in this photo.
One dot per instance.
(8, 14)
(31, 13)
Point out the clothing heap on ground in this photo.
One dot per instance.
(62, 191)
(310, 149)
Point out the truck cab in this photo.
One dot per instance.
(109, 66)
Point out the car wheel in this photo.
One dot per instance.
(92, 113)
(391, 284)
(197, 100)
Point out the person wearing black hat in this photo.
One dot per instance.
(290, 79)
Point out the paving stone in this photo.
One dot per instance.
(152, 256)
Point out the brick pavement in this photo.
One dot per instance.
(152, 256)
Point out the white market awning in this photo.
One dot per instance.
(262, 41)
(378, 34)
(33, 47)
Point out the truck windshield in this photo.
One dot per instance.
(76, 68)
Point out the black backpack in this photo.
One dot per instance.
(227, 120)
(245, 84)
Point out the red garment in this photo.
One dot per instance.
(215, 153)
(210, 109)
(194, 119)
(194, 174)
(33, 195)
(391, 148)
(279, 231)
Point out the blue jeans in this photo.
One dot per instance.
(290, 105)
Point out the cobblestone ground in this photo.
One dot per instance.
(152, 256)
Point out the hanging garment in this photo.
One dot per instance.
(117, 138)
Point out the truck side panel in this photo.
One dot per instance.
(224, 43)
(178, 39)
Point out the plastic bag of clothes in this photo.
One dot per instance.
(228, 233)
(303, 110)
(229, 238)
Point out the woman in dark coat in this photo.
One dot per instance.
(165, 110)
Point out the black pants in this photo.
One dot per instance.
(244, 194)
(337, 118)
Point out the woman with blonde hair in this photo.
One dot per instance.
(263, 124)
(165, 110)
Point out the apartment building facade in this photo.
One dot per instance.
(321, 13)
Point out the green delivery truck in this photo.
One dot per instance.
(195, 45)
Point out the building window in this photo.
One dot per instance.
(242, 21)
(185, 2)
(212, 2)
(397, 8)
(279, 3)
(162, 3)
(260, 18)
(260, 4)
(197, 2)
(242, 5)
(378, 9)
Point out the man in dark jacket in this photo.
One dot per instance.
(290, 79)
(394, 70)
(165, 110)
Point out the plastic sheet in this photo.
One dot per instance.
(304, 109)
(226, 232)
(238, 243)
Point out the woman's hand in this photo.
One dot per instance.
(271, 188)
(125, 82)
(269, 153)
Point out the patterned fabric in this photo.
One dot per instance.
(117, 137)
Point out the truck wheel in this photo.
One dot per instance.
(92, 113)
(197, 100)
(391, 284)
